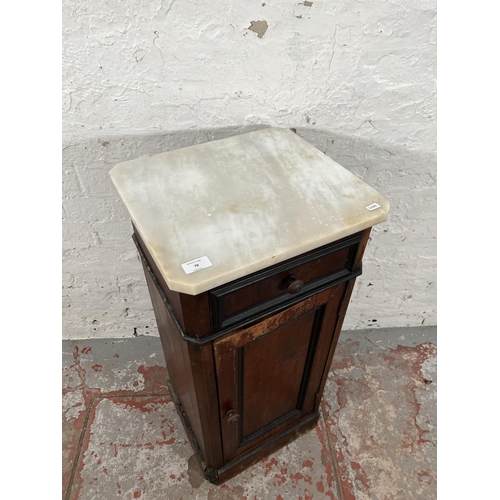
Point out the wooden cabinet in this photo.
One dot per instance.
(247, 361)
(251, 246)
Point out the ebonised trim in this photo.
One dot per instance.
(269, 427)
(311, 354)
(217, 295)
(241, 382)
(274, 309)
(268, 442)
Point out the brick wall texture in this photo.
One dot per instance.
(355, 79)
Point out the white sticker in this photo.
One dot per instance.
(196, 265)
(373, 206)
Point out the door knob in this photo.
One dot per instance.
(232, 417)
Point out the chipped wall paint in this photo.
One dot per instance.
(356, 79)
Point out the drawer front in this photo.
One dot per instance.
(283, 283)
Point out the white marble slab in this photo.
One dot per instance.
(245, 203)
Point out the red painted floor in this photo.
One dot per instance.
(376, 438)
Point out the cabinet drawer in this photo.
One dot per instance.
(283, 283)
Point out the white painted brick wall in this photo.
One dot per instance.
(356, 79)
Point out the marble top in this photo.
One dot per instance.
(240, 205)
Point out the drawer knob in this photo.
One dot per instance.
(295, 286)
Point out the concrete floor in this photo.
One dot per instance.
(376, 438)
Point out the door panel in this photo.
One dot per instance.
(269, 374)
(272, 371)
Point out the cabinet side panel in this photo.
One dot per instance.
(365, 238)
(336, 335)
(349, 286)
(196, 311)
(315, 387)
(197, 324)
(173, 297)
(177, 357)
(203, 370)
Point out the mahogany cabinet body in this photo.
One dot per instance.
(248, 361)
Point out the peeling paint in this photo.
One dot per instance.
(259, 27)
(374, 414)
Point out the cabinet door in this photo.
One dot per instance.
(269, 374)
